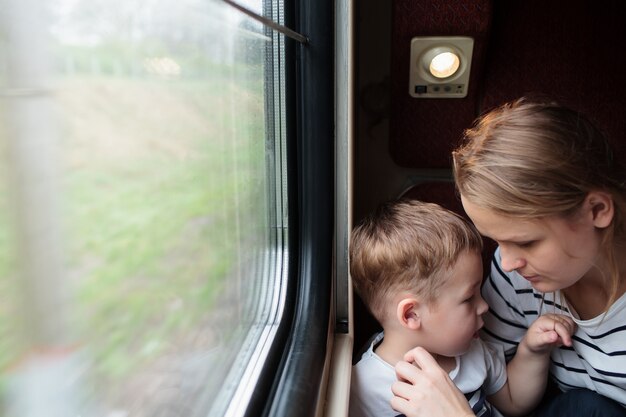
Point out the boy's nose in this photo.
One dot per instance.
(483, 307)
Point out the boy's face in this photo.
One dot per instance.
(454, 318)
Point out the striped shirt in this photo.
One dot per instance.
(597, 359)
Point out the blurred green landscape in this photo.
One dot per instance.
(158, 115)
(156, 174)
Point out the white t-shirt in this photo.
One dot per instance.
(478, 373)
(597, 359)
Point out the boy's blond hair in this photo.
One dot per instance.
(405, 245)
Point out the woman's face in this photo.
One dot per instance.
(552, 253)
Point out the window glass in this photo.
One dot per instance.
(142, 205)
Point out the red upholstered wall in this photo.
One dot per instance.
(423, 131)
(571, 50)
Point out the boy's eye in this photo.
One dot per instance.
(526, 244)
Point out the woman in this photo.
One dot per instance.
(541, 181)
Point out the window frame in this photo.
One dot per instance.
(292, 378)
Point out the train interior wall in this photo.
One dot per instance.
(566, 50)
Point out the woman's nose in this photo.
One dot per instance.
(510, 260)
(482, 307)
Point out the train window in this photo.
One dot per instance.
(143, 205)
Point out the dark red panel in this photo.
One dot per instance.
(439, 192)
(569, 50)
(424, 131)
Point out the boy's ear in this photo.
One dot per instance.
(601, 208)
(408, 313)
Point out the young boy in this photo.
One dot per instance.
(418, 268)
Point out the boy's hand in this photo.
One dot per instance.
(548, 332)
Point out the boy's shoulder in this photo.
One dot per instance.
(482, 365)
(480, 347)
(482, 353)
(368, 347)
(370, 387)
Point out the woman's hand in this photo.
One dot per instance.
(425, 390)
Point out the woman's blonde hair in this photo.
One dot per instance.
(406, 245)
(534, 159)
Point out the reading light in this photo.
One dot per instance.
(440, 66)
(444, 65)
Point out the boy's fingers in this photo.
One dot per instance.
(571, 326)
(564, 333)
(549, 338)
(546, 322)
(564, 326)
(554, 329)
(555, 319)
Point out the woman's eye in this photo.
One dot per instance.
(526, 244)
